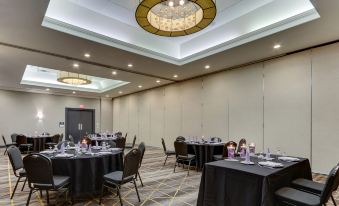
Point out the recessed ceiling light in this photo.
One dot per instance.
(182, 2)
(158, 81)
(130, 65)
(175, 76)
(107, 95)
(87, 55)
(120, 92)
(47, 89)
(114, 73)
(277, 46)
(73, 92)
(75, 65)
(140, 86)
(171, 3)
(207, 66)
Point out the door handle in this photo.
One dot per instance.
(78, 126)
(81, 126)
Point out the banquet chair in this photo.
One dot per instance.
(71, 144)
(241, 143)
(180, 138)
(13, 137)
(142, 149)
(291, 196)
(129, 146)
(313, 187)
(14, 156)
(118, 178)
(182, 155)
(40, 177)
(224, 154)
(112, 144)
(167, 152)
(21, 141)
(125, 135)
(54, 141)
(215, 139)
(7, 145)
(118, 134)
(120, 143)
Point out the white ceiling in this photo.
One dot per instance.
(112, 22)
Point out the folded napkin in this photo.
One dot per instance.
(289, 159)
(271, 164)
(96, 147)
(47, 152)
(64, 155)
(104, 152)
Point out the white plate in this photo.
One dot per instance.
(289, 159)
(247, 163)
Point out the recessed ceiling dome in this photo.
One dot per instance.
(175, 17)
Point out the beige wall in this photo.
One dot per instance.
(289, 103)
(18, 112)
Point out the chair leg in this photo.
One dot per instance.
(188, 169)
(142, 184)
(47, 197)
(102, 193)
(16, 185)
(5, 150)
(29, 197)
(136, 189)
(118, 191)
(165, 160)
(23, 186)
(175, 164)
(333, 200)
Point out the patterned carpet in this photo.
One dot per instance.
(161, 185)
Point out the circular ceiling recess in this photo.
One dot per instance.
(174, 18)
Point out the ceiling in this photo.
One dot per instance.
(24, 41)
(112, 22)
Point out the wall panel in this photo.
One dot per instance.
(116, 116)
(245, 100)
(157, 101)
(325, 145)
(287, 104)
(123, 115)
(144, 117)
(133, 117)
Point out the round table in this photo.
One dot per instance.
(87, 171)
(204, 152)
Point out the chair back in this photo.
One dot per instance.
(13, 137)
(65, 144)
(134, 139)
(330, 185)
(225, 151)
(180, 148)
(61, 137)
(215, 139)
(180, 138)
(120, 142)
(125, 135)
(241, 143)
(21, 139)
(4, 139)
(163, 144)
(14, 156)
(56, 138)
(142, 149)
(118, 134)
(112, 144)
(39, 170)
(131, 163)
(45, 134)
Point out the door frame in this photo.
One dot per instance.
(67, 109)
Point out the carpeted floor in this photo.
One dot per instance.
(161, 185)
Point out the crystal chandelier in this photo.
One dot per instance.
(175, 17)
(73, 78)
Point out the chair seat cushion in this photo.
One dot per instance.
(59, 182)
(188, 157)
(22, 173)
(169, 152)
(217, 157)
(308, 185)
(297, 197)
(116, 177)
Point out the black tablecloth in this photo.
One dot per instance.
(204, 152)
(86, 172)
(38, 142)
(234, 184)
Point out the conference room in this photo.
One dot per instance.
(169, 102)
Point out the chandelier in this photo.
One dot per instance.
(175, 17)
(73, 78)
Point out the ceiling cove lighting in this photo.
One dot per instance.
(173, 18)
(73, 78)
